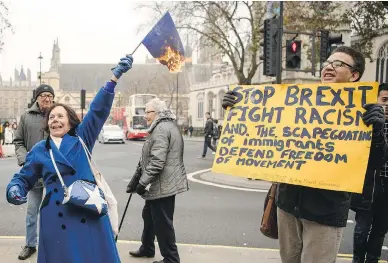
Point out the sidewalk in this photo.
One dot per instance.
(10, 248)
(233, 181)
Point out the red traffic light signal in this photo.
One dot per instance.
(293, 54)
(294, 47)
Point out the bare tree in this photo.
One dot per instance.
(233, 27)
(4, 22)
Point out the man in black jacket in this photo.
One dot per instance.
(371, 206)
(311, 221)
(208, 135)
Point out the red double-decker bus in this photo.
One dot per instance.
(134, 116)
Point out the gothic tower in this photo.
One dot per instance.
(55, 57)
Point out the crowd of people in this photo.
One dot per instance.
(310, 221)
(7, 132)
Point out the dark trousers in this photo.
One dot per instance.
(371, 227)
(158, 220)
(207, 143)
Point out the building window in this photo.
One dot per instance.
(382, 64)
(67, 99)
(222, 111)
(200, 106)
(210, 104)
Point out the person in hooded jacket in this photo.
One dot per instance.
(371, 206)
(69, 234)
(161, 168)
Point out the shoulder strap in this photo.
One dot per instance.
(65, 190)
(91, 161)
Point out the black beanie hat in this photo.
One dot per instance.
(43, 88)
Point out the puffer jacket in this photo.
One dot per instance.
(161, 163)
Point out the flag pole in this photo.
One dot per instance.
(136, 48)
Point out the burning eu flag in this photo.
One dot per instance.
(164, 44)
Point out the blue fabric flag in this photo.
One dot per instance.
(163, 36)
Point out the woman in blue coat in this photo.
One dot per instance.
(69, 234)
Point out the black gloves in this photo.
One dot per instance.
(140, 189)
(229, 99)
(131, 187)
(374, 115)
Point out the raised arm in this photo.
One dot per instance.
(101, 105)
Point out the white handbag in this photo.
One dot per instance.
(103, 185)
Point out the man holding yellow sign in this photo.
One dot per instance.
(316, 140)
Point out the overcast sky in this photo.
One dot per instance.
(89, 31)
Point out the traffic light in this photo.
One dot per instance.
(327, 41)
(83, 93)
(269, 44)
(293, 56)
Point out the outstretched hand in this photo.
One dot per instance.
(229, 99)
(15, 197)
(123, 66)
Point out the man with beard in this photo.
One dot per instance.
(29, 132)
(371, 206)
(310, 220)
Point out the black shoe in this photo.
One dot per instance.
(26, 252)
(358, 259)
(140, 254)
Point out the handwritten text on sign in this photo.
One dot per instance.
(311, 135)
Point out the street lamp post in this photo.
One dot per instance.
(40, 68)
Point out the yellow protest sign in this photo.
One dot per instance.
(310, 134)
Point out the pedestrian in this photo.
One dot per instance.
(14, 126)
(67, 233)
(208, 132)
(8, 133)
(191, 129)
(319, 214)
(1, 133)
(216, 133)
(371, 206)
(161, 168)
(29, 132)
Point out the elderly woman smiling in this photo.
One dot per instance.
(69, 233)
(160, 166)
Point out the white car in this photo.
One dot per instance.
(111, 133)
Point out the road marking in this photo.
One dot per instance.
(350, 222)
(190, 176)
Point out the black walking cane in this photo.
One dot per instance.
(122, 219)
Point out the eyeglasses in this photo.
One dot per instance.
(336, 64)
(44, 96)
(148, 112)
